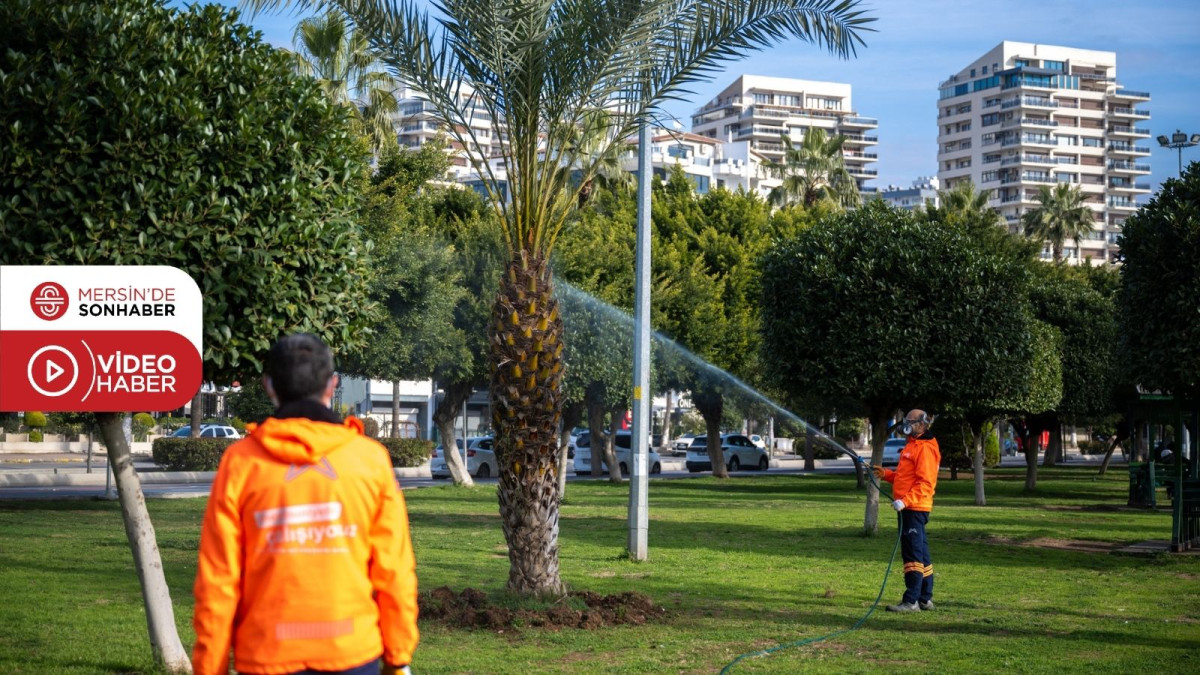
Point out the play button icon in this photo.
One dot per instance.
(57, 362)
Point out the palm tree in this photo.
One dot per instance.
(963, 204)
(543, 66)
(815, 171)
(1060, 215)
(350, 72)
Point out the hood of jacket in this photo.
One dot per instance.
(299, 440)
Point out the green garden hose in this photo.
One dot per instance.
(857, 624)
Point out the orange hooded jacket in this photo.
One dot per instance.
(915, 477)
(305, 555)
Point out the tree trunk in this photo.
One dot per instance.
(879, 432)
(711, 406)
(525, 336)
(1118, 438)
(1054, 447)
(196, 416)
(160, 615)
(597, 435)
(444, 417)
(396, 410)
(610, 453)
(572, 416)
(1031, 463)
(977, 463)
(666, 434)
(809, 441)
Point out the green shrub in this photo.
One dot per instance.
(69, 424)
(1092, 447)
(991, 446)
(35, 436)
(407, 451)
(142, 424)
(10, 422)
(953, 444)
(251, 402)
(238, 424)
(371, 427)
(189, 454)
(35, 419)
(169, 424)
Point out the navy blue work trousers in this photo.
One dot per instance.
(914, 549)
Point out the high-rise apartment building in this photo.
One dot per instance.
(1025, 115)
(751, 114)
(417, 125)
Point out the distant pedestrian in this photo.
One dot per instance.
(914, 481)
(306, 564)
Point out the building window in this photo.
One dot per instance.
(972, 72)
(762, 98)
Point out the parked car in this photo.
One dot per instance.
(208, 431)
(681, 445)
(621, 445)
(759, 441)
(891, 451)
(481, 458)
(739, 451)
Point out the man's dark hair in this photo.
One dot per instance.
(299, 366)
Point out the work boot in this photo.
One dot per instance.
(904, 607)
(926, 606)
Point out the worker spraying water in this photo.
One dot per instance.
(914, 482)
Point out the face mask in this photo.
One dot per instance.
(906, 428)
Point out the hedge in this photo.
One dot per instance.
(189, 454)
(408, 451)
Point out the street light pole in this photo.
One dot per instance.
(640, 441)
(1179, 141)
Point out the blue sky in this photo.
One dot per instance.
(919, 43)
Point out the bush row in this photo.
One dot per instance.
(204, 454)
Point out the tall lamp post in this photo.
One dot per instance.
(1179, 141)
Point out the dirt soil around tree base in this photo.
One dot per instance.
(471, 609)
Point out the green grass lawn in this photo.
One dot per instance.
(741, 565)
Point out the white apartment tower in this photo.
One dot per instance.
(417, 125)
(753, 112)
(1025, 115)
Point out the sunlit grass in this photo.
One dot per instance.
(741, 565)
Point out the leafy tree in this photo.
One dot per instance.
(1160, 289)
(543, 67)
(179, 138)
(813, 172)
(415, 278)
(878, 310)
(1086, 320)
(1061, 214)
(251, 404)
(350, 72)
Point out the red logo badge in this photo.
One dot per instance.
(49, 301)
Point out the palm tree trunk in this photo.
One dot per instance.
(444, 416)
(156, 596)
(526, 364)
(196, 416)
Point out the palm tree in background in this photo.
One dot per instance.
(963, 203)
(1061, 214)
(544, 66)
(813, 171)
(340, 58)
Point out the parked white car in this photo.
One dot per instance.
(759, 441)
(891, 451)
(621, 445)
(684, 443)
(209, 431)
(480, 458)
(739, 452)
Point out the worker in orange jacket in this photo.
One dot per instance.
(306, 564)
(914, 482)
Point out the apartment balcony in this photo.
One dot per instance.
(1129, 112)
(1122, 166)
(861, 122)
(1121, 130)
(1122, 203)
(857, 140)
(773, 132)
(1124, 185)
(1028, 122)
(859, 171)
(1127, 150)
(1029, 102)
(1128, 93)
